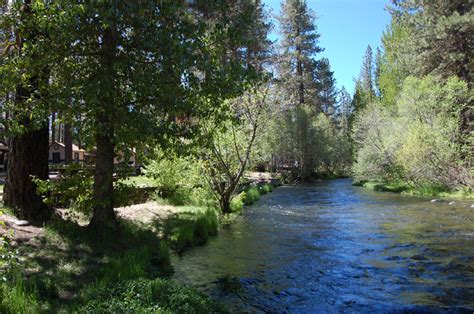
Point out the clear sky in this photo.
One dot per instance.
(346, 28)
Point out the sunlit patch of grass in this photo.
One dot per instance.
(140, 181)
(419, 190)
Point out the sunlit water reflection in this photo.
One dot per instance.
(333, 247)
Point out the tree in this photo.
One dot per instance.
(244, 27)
(378, 64)
(327, 90)
(441, 43)
(119, 69)
(367, 75)
(231, 148)
(293, 141)
(344, 110)
(393, 67)
(24, 74)
(299, 45)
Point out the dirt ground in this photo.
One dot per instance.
(147, 213)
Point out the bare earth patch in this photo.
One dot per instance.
(17, 233)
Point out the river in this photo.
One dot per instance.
(333, 247)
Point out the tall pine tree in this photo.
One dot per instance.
(299, 45)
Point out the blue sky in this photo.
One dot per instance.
(346, 28)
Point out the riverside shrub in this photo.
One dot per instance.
(251, 196)
(179, 180)
(418, 141)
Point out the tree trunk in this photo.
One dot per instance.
(103, 215)
(28, 157)
(67, 143)
(29, 149)
(225, 203)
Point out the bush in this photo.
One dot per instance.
(237, 203)
(419, 141)
(267, 188)
(251, 196)
(179, 180)
(73, 189)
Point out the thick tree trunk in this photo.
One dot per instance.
(29, 149)
(67, 144)
(103, 214)
(28, 157)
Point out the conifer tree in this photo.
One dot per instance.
(299, 45)
(441, 43)
(367, 73)
(327, 90)
(24, 75)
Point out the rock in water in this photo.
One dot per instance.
(434, 200)
(451, 203)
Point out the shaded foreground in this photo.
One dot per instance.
(334, 246)
(65, 267)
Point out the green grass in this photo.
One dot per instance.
(72, 271)
(148, 296)
(140, 181)
(190, 228)
(424, 190)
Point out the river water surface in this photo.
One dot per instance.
(333, 247)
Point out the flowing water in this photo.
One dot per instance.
(332, 247)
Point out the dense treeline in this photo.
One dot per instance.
(196, 79)
(123, 75)
(413, 124)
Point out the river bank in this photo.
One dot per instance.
(428, 191)
(61, 266)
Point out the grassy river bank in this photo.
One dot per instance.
(62, 267)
